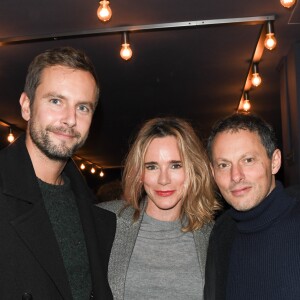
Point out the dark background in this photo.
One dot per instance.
(197, 73)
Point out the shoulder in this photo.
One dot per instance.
(115, 206)
(224, 226)
(122, 210)
(293, 191)
(207, 228)
(224, 219)
(203, 232)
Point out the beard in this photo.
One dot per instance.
(59, 152)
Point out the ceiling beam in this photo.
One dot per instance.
(148, 27)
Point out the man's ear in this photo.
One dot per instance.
(276, 161)
(25, 106)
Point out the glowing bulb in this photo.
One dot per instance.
(256, 79)
(82, 166)
(104, 12)
(10, 137)
(101, 174)
(126, 52)
(270, 41)
(246, 105)
(93, 170)
(287, 3)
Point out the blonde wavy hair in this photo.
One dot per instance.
(199, 201)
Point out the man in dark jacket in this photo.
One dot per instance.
(254, 246)
(53, 242)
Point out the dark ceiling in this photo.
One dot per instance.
(197, 73)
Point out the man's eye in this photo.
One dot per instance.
(84, 108)
(222, 165)
(55, 101)
(249, 160)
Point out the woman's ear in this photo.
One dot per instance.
(25, 106)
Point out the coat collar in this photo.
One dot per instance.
(33, 225)
(17, 173)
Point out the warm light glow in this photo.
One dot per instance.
(246, 105)
(104, 12)
(82, 166)
(256, 79)
(287, 3)
(10, 137)
(93, 170)
(270, 41)
(101, 174)
(126, 52)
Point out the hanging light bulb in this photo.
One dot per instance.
(93, 170)
(101, 174)
(256, 79)
(126, 52)
(246, 102)
(10, 136)
(270, 40)
(104, 12)
(287, 3)
(82, 166)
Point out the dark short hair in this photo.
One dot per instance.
(63, 56)
(250, 122)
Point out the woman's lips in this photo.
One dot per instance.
(165, 193)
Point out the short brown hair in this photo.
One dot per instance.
(63, 56)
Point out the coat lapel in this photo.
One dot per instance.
(201, 237)
(36, 232)
(32, 223)
(126, 235)
(96, 251)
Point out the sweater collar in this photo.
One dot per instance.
(263, 215)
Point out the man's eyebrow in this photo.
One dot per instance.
(54, 95)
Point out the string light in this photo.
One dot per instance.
(287, 3)
(246, 103)
(10, 136)
(83, 163)
(104, 11)
(125, 52)
(270, 40)
(256, 78)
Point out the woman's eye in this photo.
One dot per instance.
(150, 167)
(176, 166)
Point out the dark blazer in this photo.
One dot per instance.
(30, 260)
(218, 254)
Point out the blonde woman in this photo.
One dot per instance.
(163, 227)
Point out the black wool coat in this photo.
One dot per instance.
(31, 265)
